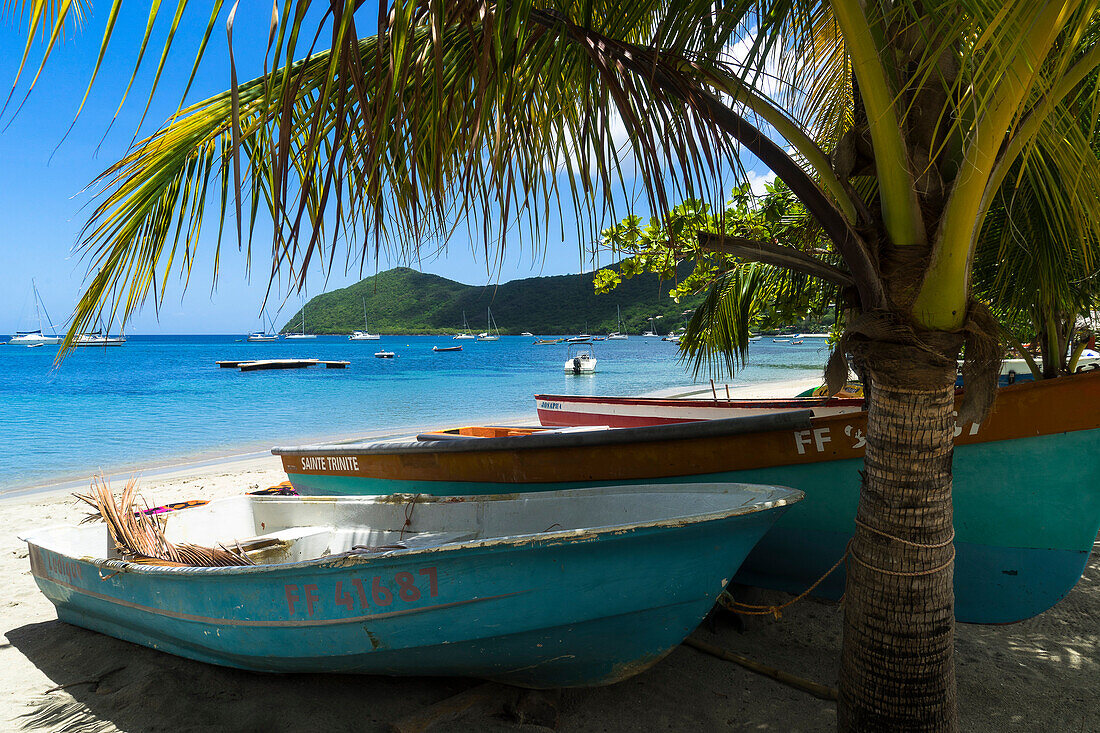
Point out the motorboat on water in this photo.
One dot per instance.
(446, 348)
(561, 589)
(383, 354)
(580, 339)
(580, 361)
(364, 335)
(527, 333)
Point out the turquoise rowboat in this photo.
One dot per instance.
(556, 589)
(1026, 506)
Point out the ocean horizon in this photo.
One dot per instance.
(161, 399)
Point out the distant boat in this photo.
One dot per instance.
(580, 361)
(652, 332)
(581, 339)
(780, 341)
(618, 334)
(547, 342)
(446, 348)
(812, 336)
(551, 591)
(384, 354)
(98, 338)
(798, 342)
(36, 337)
(364, 335)
(527, 333)
(260, 337)
(302, 334)
(491, 334)
(465, 335)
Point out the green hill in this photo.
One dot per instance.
(405, 301)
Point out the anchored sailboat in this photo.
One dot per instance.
(37, 338)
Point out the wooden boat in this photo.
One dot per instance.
(623, 412)
(1026, 506)
(446, 348)
(559, 589)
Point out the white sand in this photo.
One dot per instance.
(1042, 674)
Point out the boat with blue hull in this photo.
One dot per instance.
(1026, 508)
(554, 589)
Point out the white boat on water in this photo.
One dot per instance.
(527, 333)
(267, 335)
(98, 338)
(383, 354)
(491, 333)
(261, 337)
(302, 334)
(617, 335)
(580, 339)
(364, 335)
(465, 335)
(580, 361)
(37, 337)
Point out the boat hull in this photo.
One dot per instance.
(1026, 510)
(575, 609)
(631, 412)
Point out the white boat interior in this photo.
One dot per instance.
(280, 529)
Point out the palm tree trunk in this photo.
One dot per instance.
(897, 668)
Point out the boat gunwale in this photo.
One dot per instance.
(721, 402)
(787, 420)
(786, 497)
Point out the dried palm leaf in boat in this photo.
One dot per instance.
(139, 537)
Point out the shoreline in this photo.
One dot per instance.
(198, 463)
(1038, 673)
(245, 455)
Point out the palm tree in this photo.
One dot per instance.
(899, 123)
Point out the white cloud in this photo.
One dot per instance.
(759, 180)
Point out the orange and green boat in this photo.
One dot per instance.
(1027, 509)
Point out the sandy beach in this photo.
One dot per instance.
(1038, 674)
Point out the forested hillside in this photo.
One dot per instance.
(405, 301)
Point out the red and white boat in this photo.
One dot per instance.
(629, 412)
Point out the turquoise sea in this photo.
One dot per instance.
(161, 400)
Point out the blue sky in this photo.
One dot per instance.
(44, 175)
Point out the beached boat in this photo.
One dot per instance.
(561, 589)
(446, 348)
(1026, 508)
(626, 412)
